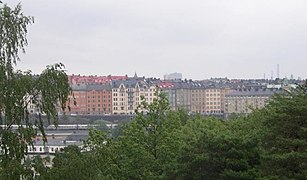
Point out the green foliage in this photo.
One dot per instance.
(71, 163)
(284, 144)
(150, 142)
(103, 152)
(13, 30)
(19, 89)
(213, 151)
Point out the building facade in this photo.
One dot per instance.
(178, 94)
(198, 100)
(244, 101)
(93, 99)
(95, 95)
(207, 100)
(128, 94)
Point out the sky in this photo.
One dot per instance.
(198, 38)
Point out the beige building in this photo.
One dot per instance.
(224, 92)
(127, 95)
(214, 100)
(120, 99)
(243, 101)
(206, 100)
(198, 100)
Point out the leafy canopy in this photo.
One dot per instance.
(19, 90)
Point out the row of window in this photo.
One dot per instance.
(88, 97)
(89, 101)
(99, 110)
(215, 94)
(206, 107)
(130, 95)
(207, 90)
(207, 99)
(93, 105)
(101, 92)
(132, 90)
(41, 149)
(208, 112)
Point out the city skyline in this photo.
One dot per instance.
(200, 39)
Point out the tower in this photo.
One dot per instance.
(277, 72)
(135, 75)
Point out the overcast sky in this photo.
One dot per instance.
(198, 38)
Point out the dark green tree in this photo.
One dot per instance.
(213, 151)
(71, 163)
(285, 143)
(19, 89)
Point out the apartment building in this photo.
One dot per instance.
(195, 97)
(224, 91)
(91, 99)
(167, 88)
(79, 93)
(178, 94)
(122, 95)
(198, 99)
(244, 100)
(127, 94)
(99, 99)
(207, 99)
(214, 101)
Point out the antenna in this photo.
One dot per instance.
(277, 72)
